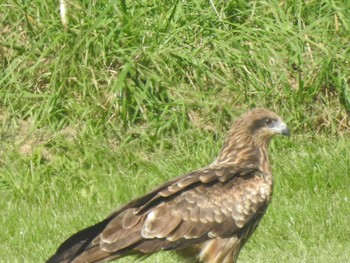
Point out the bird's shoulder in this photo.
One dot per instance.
(203, 178)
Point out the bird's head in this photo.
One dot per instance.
(258, 125)
(251, 131)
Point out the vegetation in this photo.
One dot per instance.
(129, 94)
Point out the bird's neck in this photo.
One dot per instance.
(246, 153)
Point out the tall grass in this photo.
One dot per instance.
(131, 63)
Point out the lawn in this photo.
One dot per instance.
(130, 94)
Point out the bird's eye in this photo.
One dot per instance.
(268, 121)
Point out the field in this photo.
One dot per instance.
(123, 96)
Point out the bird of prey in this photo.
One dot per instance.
(206, 215)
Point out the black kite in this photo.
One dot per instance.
(207, 215)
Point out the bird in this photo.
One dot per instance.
(206, 215)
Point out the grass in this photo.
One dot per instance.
(129, 95)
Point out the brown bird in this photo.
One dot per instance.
(207, 215)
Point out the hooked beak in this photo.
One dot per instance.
(281, 128)
(286, 131)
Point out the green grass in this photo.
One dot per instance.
(134, 93)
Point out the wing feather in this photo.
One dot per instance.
(160, 222)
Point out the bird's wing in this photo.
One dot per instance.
(212, 202)
(207, 204)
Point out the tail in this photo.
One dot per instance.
(78, 243)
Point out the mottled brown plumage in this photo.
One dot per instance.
(207, 214)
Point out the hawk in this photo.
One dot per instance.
(206, 215)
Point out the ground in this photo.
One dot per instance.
(128, 95)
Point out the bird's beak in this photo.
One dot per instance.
(286, 131)
(281, 128)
